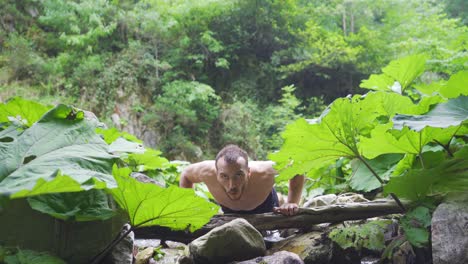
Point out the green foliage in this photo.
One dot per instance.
(183, 115)
(369, 235)
(416, 224)
(362, 178)
(398, 75)
(111, 134)
(24, 256)
(149, 204)
(59, 153)
(82, 206)
(24, 111)
(367, 129)
(453, 113)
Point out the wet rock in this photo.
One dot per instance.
(144, 256)
(313, 247)
(234, 241)
(280, 257)
(450, 233)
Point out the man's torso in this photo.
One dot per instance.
(259, 187)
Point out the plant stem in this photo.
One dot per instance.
(98, 258)
(446, 147)
(397, 200)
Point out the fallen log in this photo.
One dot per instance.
(306, 218)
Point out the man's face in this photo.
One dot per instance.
(233, 177)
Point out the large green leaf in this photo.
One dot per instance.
(449, 176)
(111, 134)
(457, 85)
(82, 206)
(363, 179)
(59, 153)
(385, 140)
(24, 111)
(311, 146)
(149, 160)
(148, 204)
(452, 113)
(398, 75)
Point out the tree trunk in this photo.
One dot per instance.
(306, 218)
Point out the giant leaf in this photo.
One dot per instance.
(27, 112)
(448, 176)
(398, 75)
(309, 146)
(148, 204)
(364, 180)
(149, 160)
(384, 140)
(60, 150)
(452, 113)
(82, 206)
(338, 132)
(457, 85)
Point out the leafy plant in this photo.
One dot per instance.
(24, 256)
(410, 143)
(58, 153)
(369, 235)
(61, 154)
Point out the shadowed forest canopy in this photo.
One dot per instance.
(190, 76)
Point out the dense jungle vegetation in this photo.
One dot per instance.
(190, 76)
(358, 95)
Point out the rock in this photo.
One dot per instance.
(450, 233)
(280, 257)
(313, 247)
(234, 241)
(321, 201)
(144, 256)
(145, 179)
(144, 243)
(404, 254)
(170, 255)
(330, 199)
(122, 253)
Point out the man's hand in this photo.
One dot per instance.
(287, 209)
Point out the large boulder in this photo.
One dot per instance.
(234, 241)
(280, 257)
(450, 233)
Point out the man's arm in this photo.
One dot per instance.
(294, 196)
(195, 173)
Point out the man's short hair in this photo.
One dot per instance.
(231, 153)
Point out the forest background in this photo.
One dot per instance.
(190, 76)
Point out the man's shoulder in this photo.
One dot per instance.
(263, 167)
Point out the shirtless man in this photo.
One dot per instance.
(240, 186)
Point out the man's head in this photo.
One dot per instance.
(232, 170)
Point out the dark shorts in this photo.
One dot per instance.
(266, 207)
